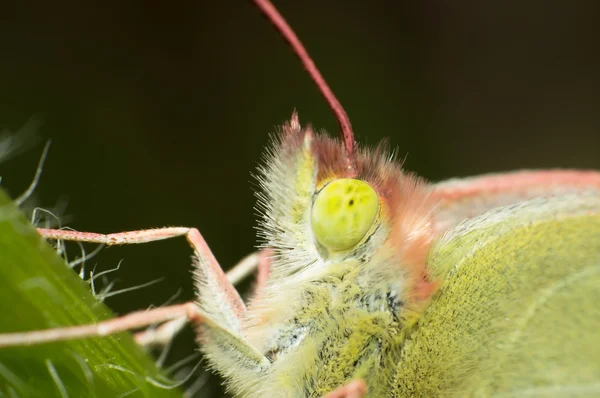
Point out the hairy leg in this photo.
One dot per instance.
(175, 316)
(240, 271)
(163, 334)
(132, 321)
(263, 266)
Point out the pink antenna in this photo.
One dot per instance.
(288, 34)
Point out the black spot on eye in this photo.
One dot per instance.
(351, 202)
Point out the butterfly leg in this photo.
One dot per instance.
(263, 267)
(259, 260)
(132, 321)
(162, 335)
(136, 320)
(119, 238)
(218, 312)
(188, 311)
(354, 389)
(221, 331)
(222, 311)
(240, 271)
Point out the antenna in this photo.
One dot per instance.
(288, 34)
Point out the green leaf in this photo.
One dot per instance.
(39, 291)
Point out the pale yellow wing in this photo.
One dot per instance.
(518, 312)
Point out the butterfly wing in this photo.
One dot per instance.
(461, 198)
(517, 310)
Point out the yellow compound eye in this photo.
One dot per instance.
(343, 212)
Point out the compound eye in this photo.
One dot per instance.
(343, 213)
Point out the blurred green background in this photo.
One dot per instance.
(158, 112)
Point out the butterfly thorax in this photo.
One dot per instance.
(346, 323)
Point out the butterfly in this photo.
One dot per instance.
(374, 282)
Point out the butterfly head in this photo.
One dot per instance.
(317, 210)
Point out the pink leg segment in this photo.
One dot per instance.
(210, 268)
(264, 269)
(234, 276)
(135, 320)
(163, 334)
(172, 315)
(120, 238)
(354, 389)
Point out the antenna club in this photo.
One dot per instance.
(288, 34)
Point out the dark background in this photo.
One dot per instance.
(158, 112)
